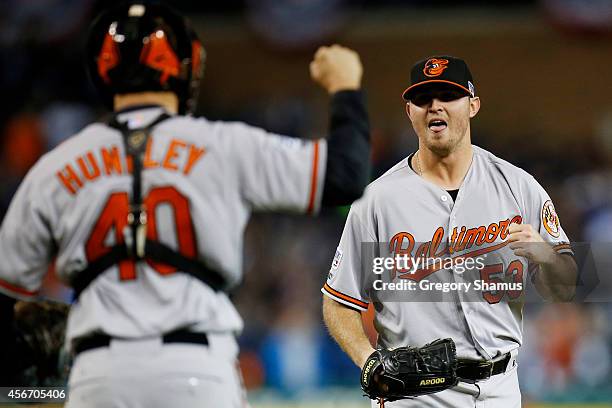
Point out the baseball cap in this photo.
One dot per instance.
(440, 69)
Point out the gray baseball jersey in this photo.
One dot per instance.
(410, 215)
(201, 181)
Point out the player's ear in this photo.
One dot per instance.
(408, 110)
(474, 106)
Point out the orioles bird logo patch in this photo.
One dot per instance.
(550, 220)
(435, 66)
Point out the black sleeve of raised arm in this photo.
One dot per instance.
(348, 149)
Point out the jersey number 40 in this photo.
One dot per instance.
(114, 219)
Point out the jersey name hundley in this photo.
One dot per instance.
(179, 156)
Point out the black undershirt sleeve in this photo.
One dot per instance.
(348, 149)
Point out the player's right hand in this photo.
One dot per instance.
(336, 68)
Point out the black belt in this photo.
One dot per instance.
(474, 370)
(102, 340)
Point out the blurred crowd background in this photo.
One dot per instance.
(543, 72)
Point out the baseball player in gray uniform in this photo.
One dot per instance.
(452, 200)
(144, 215)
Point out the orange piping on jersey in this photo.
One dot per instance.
(70, 179)
(17, 289)
(195, 153)
(313, 179)
(342, 296)
(561, 247)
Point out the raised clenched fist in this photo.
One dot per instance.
(336, 68)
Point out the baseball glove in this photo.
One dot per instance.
(407, 372)
(40, 328)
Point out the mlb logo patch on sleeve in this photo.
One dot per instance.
(337, 259)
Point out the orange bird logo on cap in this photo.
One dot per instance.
(435, 66)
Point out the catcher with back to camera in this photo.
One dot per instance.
(449, 200)
(144, 217)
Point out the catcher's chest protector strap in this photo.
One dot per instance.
(137, 246)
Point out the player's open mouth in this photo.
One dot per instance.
(437, 125)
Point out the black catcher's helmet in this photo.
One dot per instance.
(144, 46)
